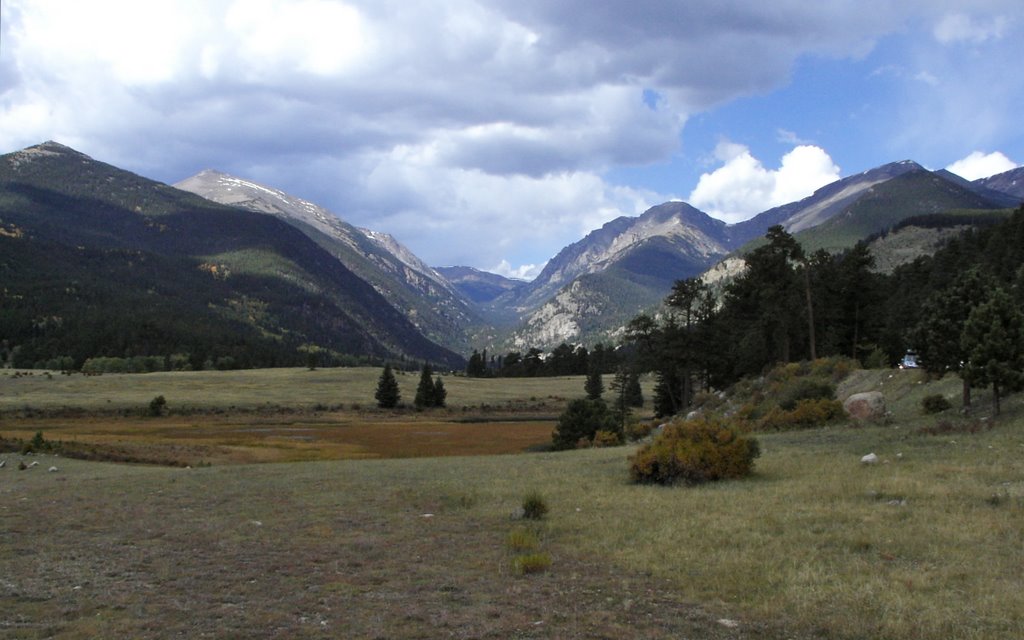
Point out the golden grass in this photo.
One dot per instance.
(193, 440)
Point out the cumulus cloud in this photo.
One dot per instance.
(522, 272)
(981, 165)
(472, 130)
(742, 187)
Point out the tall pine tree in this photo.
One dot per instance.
(387, 394)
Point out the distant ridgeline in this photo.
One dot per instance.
(101, 268)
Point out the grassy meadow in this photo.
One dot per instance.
(927, 544)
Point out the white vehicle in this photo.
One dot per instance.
(909, 361)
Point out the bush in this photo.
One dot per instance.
(531, 563)
(936, 403)
(799, 389)
(805, 415)
(693, 452)
(581, 420)
(604, 438)
(534, 506)
(639, 430)
(522, 539)
(157, 406)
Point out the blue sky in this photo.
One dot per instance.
(495, 132)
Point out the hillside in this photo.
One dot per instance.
(98, 261)
(478, 286)
(914, 193)
(426, 298)
(1010, 182)
(615, 272)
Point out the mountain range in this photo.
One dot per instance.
(219, 269)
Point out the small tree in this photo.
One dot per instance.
(440, 393)
(594, 386)
(993, 339)
(581, 420)
(157, 407)
(634, 394)
(425, 389)
(387, 394)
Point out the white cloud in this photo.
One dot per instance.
(743, 187)
(981, 165)
(522, 272)
(959, 27)
(470, 129)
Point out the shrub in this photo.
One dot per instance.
(693, 452)
(157, 406)
(581, 420)
(605, 438)
(639, 430)
(936, 403)
(534, 506)
(522, 539)
(531, 563)
(803, 389)
(805, 415)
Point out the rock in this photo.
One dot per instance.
(728, 624)
(3, 463)
(869, 405)
(22, 466)
(52, 469)
(35, 463)
(869, 459)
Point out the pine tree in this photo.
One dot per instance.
(593, 386)
(634, 394)
(387, 394)
(425, 389)
(440, 393)
(993, 339)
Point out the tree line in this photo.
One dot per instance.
(958, 309)
(563, 360)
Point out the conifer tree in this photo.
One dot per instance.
(634, 394)
(387, 394)
(593, 386)
(425, 389)
(993, 339)
(440, 393)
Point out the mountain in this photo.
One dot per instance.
(615, 272)
(97, 261)
(630, 264)
(478, 286)
(425, 297)
(1010, 182)
(823, 204)
(912, 194)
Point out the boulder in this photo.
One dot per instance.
(869, 459)
(869, 405)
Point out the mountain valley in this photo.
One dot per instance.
(219, 260)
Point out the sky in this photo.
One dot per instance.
(492, 133)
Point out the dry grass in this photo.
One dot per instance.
(257, 388)
(926, 545)
(196, 440)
